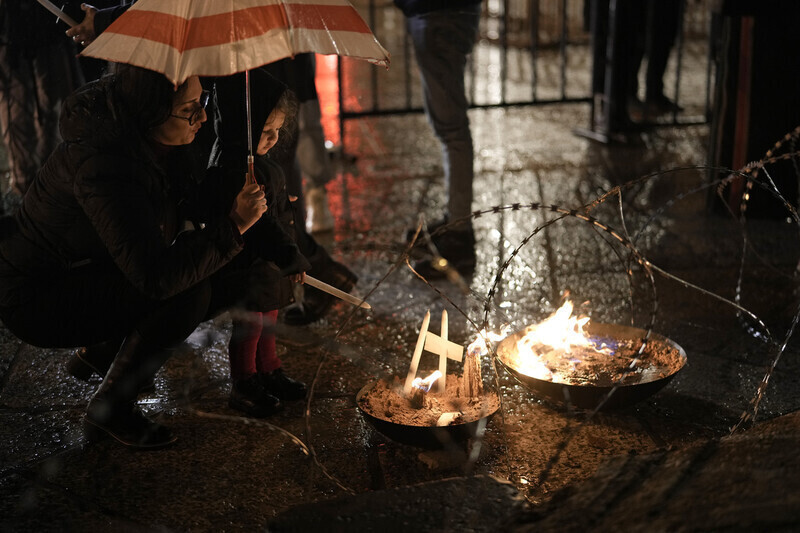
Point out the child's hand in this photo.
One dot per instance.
(298, 278)
(248, 206)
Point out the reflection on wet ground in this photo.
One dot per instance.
(229, 473)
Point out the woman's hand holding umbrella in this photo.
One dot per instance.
(248, 206)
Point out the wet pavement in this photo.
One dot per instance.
(228, 473)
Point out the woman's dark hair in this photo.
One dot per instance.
(144, 97)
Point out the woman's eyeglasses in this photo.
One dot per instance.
(201, 105)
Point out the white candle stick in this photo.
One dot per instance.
(333, 291)
(412, 370)
(57, 12)
(448, 418)
(441, 386)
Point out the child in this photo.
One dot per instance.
(259, 383)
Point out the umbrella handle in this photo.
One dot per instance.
(251, 174)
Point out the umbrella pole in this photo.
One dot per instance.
(251, 176)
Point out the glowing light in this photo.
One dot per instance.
(427, 383)
(478, 346)
(327, 84)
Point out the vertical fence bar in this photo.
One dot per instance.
(504, 52)
(340, 97)
(563, 49)
(373, 71)
(471, 68)
(533, 10)
(712, 44)
(407, 54)
(679, 65)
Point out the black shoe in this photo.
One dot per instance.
(127, 426)
(248, 396)
(446, 236)
(432, 228)
(92, 360)
(457, 249)
(279, 384)
(432, 269)
(315, 302)
(661, 105)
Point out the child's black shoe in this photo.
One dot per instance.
(279, 384)
(249, 397)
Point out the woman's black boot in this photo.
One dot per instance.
(112, 410)
(95, 360)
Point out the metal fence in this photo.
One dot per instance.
(530, 52)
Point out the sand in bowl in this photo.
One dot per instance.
(613, 358)
(386, 401)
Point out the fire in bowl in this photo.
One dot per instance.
(585, 373)
(426, 420)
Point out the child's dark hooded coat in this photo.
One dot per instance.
(226, 174)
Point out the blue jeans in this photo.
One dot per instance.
(442, 40)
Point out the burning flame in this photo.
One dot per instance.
(427, 383)
(561, 332)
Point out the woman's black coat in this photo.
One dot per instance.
(108, 198)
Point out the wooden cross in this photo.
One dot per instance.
(437, 344)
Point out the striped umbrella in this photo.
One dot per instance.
(182, 38)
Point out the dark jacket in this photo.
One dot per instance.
(226, 175)
(419, 7)
(108, 198)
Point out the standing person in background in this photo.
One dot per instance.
(306, 154)
(615, 34)
(312, 304)
(662, 21)
(38, 70)
(443, 33)
(312, 155)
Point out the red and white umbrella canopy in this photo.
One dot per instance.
(183, 38)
